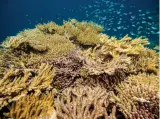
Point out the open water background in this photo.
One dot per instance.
(119, 17)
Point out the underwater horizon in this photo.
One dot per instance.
(118, 17)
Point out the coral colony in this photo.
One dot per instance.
(74, 71)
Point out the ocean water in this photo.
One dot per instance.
(119, 17)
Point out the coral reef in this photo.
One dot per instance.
(138, 97)
(32, 51)
(142, 58)
(67, 70)
(18, 83)
(33, 107)
(84, 103)
(84, 33)
(74, 71)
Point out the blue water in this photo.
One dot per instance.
(16, 15)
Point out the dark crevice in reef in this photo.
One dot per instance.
(4, 110)
(47, 31)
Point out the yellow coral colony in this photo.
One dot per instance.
(74, 71)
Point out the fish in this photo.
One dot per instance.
(115, 18)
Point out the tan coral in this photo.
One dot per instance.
(98, 62)
(142, 58)
(84, 103)
(138, 97)
(17, 83)
(85, 33)
(7, 61)
(38, 47)
(50, 28)
(33, 107)
(103, 67)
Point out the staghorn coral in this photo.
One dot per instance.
(138, 97)
(104, 80)
(33, 107)
(67, 70)
(36, 47)
(142, 58)
(8, 60)
(50, 28)
(126, 44)
(18, 83)
(96, 64)
(75, 69)
(83, 103)
(85, 33)
(107, 69)
(147, 61)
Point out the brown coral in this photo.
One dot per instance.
(67, 70)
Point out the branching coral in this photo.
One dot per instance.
(142, 58)
(83, 103)
(76, 69)
(18, 83)
(104, 80)
(67, 70)
(7, 60)
(138, 97)
(126, 44)
(85, 33)
(33, 107)
(96, 64)
(97, 77)
(50, 28)
(146, 61)
(104, 68)
(37, 47)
